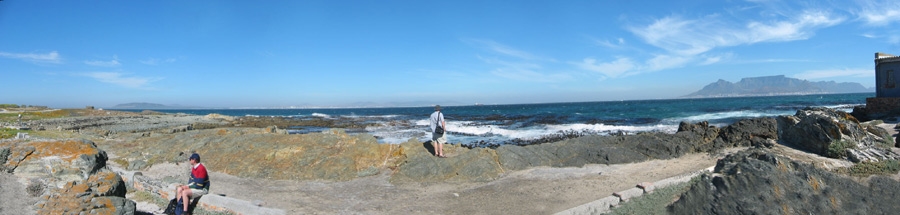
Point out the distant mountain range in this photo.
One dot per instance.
(148, 106)
(775, 85)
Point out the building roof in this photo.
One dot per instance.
(885, 58)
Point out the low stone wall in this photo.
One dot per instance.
(210, 202)
(878, 105)
(605, 204)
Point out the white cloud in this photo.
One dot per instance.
(606, 43)
(612, 69)
(661, 62)
(711, 60)
(799, 28)
(506, 50)
(879, 13)
(52, 57)
(696, 36)
(118, 79)
(821, 74)
(112, 63)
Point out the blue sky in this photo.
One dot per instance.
(358, 53)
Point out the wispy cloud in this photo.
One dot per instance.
(879, 13)
(613, 69)
(821, 74)
(112, 63)
(122, 80)
(515, 64)
(696, 36)
(690, 41)
(52, 57)
(155, 61)
(618, 43)
(524, 71)
(505, 50)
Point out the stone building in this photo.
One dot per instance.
(887, 88)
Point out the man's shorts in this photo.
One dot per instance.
(196, 193)
(438, 138)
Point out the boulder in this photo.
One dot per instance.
(755, 181)
(107, 183)
(751, 132)
(63, 161)
(74, 174)
(835, 134)
(81, 198)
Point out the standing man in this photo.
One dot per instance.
(438, 127)
(197, 186)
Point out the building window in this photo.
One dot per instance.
(889, 79)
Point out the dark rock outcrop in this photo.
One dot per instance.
(835, 134)
(758, 182)
(690, 138)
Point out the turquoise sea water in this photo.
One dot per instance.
(526, 123)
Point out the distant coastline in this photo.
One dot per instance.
(775, 86)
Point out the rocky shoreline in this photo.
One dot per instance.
(143, 141)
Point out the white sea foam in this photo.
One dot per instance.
(727, 115)
(373, 116)
(844, 107)
(322, 115)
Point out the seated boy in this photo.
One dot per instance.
(197, 186)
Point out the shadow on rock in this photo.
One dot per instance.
(759, 182)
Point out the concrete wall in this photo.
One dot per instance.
(882, 105)
(887, 78)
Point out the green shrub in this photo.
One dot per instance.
(838, 149)
(655, 202)
(885, 167)
(8, 133)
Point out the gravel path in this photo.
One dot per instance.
(15, 199)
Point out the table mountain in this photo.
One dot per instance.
(775, 85)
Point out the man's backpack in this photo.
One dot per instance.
(170, 209)
(439, 129)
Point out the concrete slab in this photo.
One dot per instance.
(238, 206)
(629, 193)
(596, 207)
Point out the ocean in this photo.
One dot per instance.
(493, 125)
